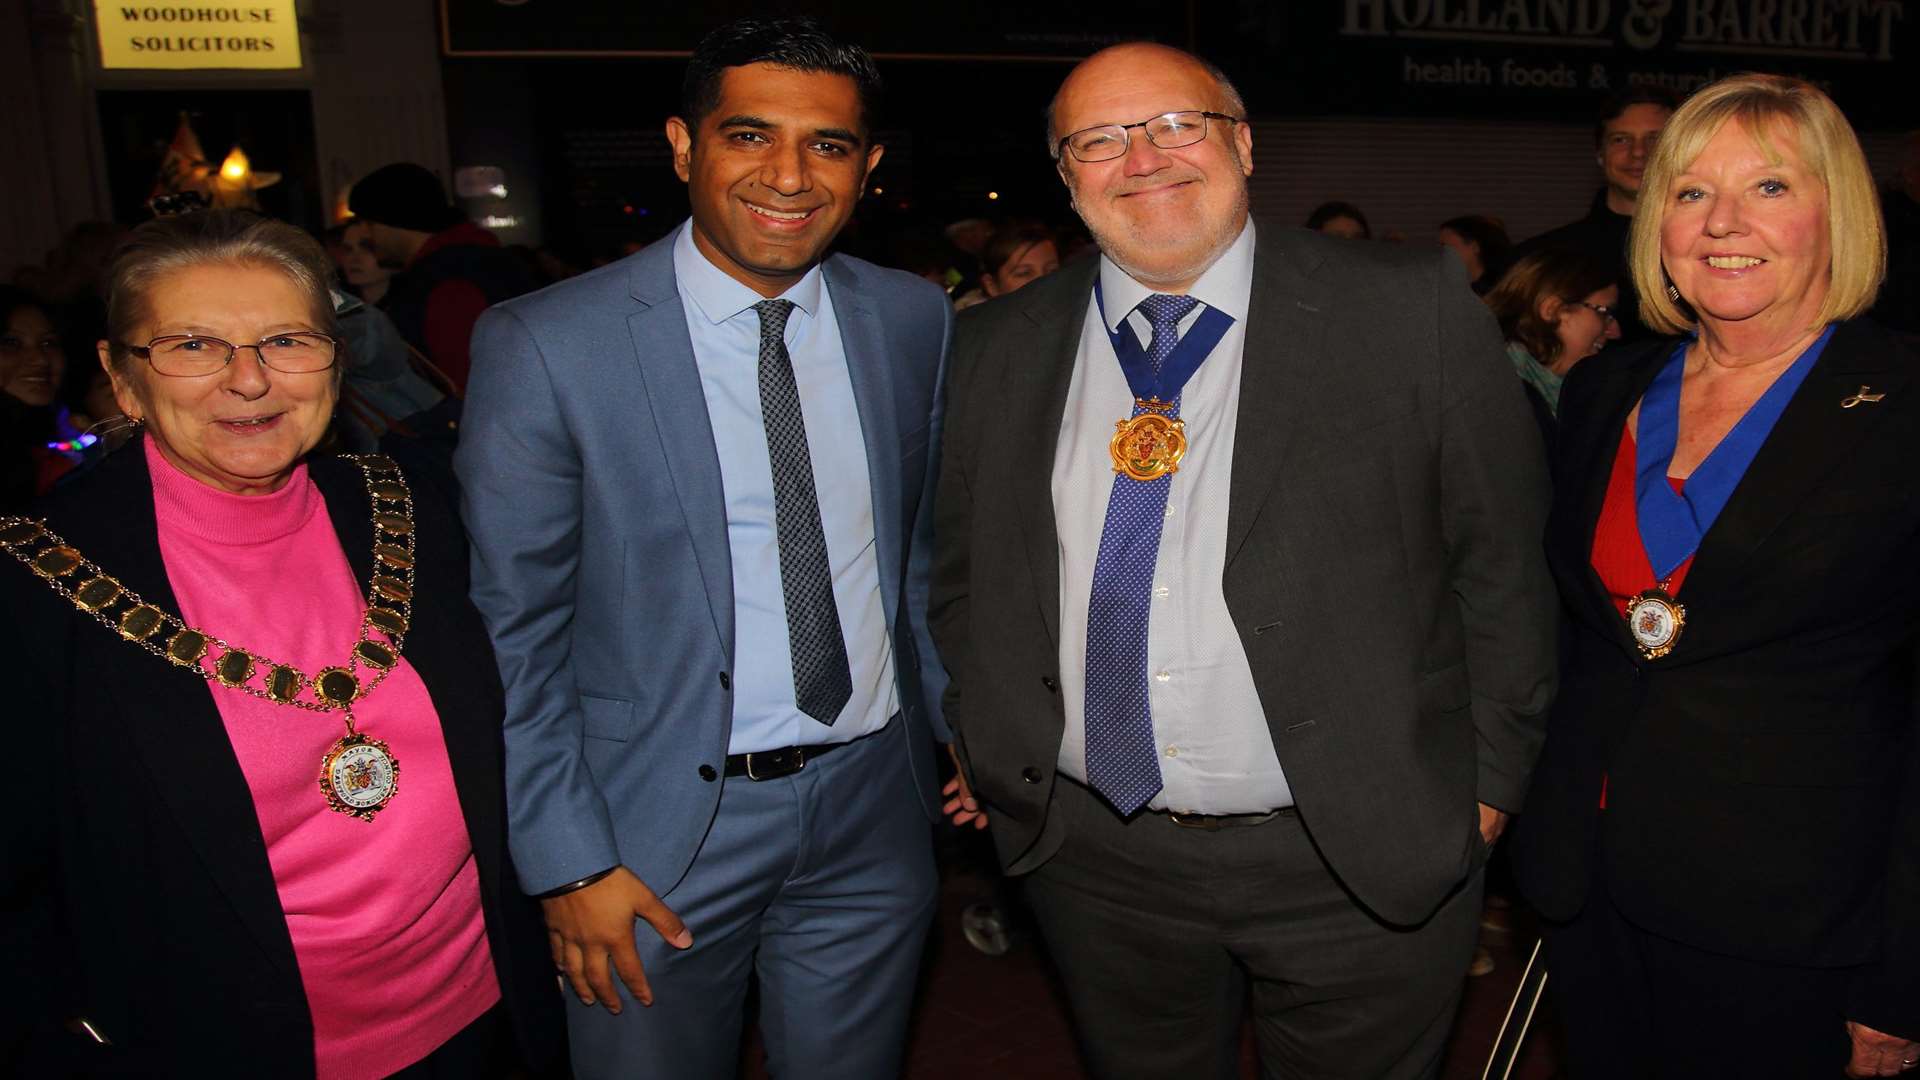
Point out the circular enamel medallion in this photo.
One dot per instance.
(358, 776)
(1148, 446)
(1655, 621)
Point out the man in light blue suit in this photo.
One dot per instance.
(698, 483)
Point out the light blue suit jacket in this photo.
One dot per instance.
(600, 560)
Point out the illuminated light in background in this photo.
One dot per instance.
(236, 168)
(85, 440)
(879, 191)
(993, 194)
(495, 221)
(498, 191)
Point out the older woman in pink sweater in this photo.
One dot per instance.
(266, 728)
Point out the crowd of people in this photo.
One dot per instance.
(1217, 570)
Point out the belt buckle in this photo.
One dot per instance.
(1193, 821)
(784, 762)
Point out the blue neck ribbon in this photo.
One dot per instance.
(1194, 348)
(1672, 523)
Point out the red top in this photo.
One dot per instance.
(1618, 555)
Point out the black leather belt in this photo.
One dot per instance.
(773, 764)
(1211, 822)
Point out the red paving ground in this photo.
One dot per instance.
(982, 1018)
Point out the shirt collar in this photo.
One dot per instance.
(1227, 285)
(718, 297)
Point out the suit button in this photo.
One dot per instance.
(725, 682)
(1030, 774)
(707, 773)
(1047, 681)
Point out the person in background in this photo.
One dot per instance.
(1342, 219)
(449, 269)
(1017, 254)
(32, 368)
(1555, 309)
(1625, 132)
(1481, 243)
(360, 266)
(270, 615)
(1724, 828)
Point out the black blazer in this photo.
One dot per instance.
(1763, 794)
(1382, 567)
(135, 878)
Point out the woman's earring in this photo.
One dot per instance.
(1673, 293)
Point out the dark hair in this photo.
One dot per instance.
(795, 43)
(1327, 211)
(1483, 232)
(171, 244)
(1566, 275)
(1612, 107)
(13, 298)
(1009, 242)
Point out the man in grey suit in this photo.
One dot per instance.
(698, 483)
(1238, 580)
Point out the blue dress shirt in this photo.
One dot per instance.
(725, 330)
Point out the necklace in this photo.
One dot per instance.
(358, 773)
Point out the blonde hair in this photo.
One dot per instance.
(1766, 106)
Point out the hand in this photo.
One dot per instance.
(589, 926)
(1492, 823)
(1875, 1053)
(961, 807)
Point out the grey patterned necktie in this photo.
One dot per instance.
(822, 681)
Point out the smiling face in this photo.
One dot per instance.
(31, 363)
(244, 427)
(773, 171)
(1625, 144)
(1028, 265)
(1744, 236)
(1163, 216)
(1580, 326)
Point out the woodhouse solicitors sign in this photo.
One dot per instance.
(176, 35)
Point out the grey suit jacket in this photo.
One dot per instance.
(1384, 565)
(600, 558)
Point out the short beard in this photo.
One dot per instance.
(1181, 276)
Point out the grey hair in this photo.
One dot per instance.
(169, 245)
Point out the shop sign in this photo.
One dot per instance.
(183, 34)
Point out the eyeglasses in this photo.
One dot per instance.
(1166, 131)
(1606, 313)
(185, 356)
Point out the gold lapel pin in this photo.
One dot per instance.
(1859, 396)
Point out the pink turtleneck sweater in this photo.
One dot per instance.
(385, 915)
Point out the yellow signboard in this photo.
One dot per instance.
(181, 34)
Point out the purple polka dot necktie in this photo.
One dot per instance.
(1122, 762)
(822, 679)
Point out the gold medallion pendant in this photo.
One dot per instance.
(1148, 446)
(1655, 620)
(358, 776)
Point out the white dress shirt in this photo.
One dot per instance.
(1216, 752)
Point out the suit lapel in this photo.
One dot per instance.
(1812, 437)
(1286, 323)
(170, 716)
(1034, 374)
(863, 341)
(663, 352)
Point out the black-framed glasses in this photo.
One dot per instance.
(1606, 313)
(1166, 131)
(188, 356)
